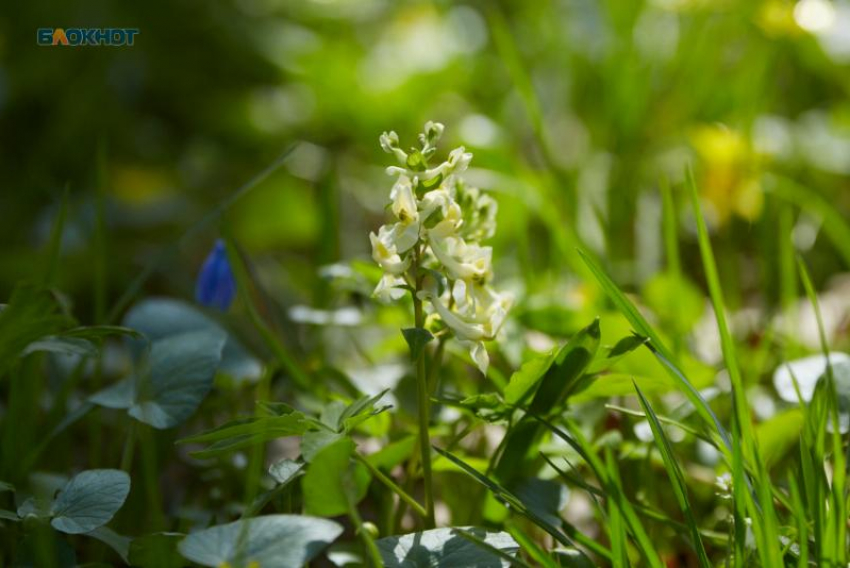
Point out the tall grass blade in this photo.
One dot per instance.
(762, 513)
(655, 344)
(676, 478)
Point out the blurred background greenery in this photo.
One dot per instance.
(577, 111)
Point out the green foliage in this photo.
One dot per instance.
(674, 172)
(446, 547)
(89, 500)
(274, 541)
(172, 381)
(333, 483)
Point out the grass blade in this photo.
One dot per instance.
(676, 477)
(655, 344)
(764, 517)
(515, 504)
(616, 529)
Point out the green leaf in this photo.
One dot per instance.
(271, 541)
(159, 318)
(527, 377)
(89, 500)
(4, 487)
(642, 327)
(570, 363)
(394, 453)
(285, 470)
(417, 338)
(513, 502)
(182, 368)
(361, 410)
(62, 346)
(7, 515)
(545, 497)
(181, 372)
(445, 547)
(621, 384)
(33, 312)
(607, 357)
(676, 478)
(247, 432)
(314, 441)
(572, 558)
(488, 406)
(333, 483)
(157, 550)
(556, 384)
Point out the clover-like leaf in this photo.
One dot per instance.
(182, 368)
(89, 500)
(158, 318)
(179, 375)
(271, 541)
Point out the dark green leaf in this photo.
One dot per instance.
(158, 318)
(89, 500)
(181, 374)
(417, 338)
(32, 313)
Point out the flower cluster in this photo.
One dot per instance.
(434, 246)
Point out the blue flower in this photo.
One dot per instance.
(216, 286)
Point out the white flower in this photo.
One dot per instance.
(457, 163)
(389, 288)
(439, 198)
(461, 260)
(385, 251)
(446, 222)
(478, 315)
(403, 201)
(389, 143)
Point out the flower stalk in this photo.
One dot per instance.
(433, 250)
(424, 403)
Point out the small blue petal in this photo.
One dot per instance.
(216, 286)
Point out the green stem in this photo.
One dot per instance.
(372, 551)
(424, 404)
(436, 362)
(129, 447)
(420, 510)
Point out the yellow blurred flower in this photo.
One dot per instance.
(729, 180)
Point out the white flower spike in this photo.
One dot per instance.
(439, 225)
